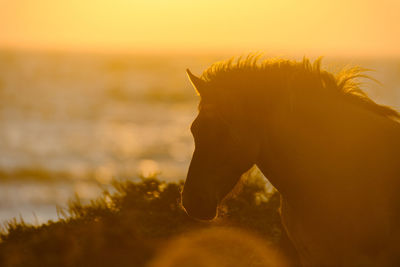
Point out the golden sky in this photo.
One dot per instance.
(362, 27)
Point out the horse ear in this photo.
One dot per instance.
(197, 83)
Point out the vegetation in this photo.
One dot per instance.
(126, 227)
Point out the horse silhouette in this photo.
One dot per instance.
(331, 152)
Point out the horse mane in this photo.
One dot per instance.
(345, 82)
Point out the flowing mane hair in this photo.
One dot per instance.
(289, 73)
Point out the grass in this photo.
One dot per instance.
(127, 227)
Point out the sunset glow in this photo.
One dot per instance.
(289, 26)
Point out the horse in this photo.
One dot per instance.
(329, 149)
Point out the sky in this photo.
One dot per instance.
(340, 27)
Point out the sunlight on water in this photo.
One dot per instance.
(148, 167)
(104, 174)
(218, 247)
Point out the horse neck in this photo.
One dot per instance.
(314, 142)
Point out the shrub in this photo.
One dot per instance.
(127, 227)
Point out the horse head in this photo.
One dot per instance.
(219, 159)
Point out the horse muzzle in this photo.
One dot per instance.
(199, 206)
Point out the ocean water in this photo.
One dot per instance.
(72, 122)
